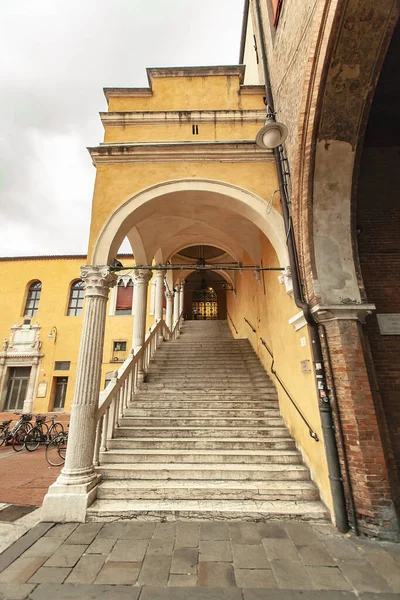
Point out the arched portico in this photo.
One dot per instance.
(188, 198)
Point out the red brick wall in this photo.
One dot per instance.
(378, 222)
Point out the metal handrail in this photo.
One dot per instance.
(311, 431)
(250, 325)
(233, 324)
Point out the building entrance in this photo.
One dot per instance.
(204, 304)
(17, 387)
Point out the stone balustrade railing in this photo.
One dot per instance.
(114, 400)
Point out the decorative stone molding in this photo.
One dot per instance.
(98, 280)
(226, 152)
(285, 278)
(332, 312)
(124, 119)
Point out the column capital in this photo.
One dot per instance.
(182, 285)
(161, 273)
(169, 294)
(98, 280)
(141, 276)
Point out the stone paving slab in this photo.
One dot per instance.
(232, 561)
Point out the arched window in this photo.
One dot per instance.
(124, 298)
(32, 300)
(76, 296)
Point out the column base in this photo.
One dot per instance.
(28, 406)
(68, 503)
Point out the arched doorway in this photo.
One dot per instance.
(204, 304)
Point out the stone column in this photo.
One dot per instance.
(3, 371)
(76, 487)
(30, 392)
(152, 297)
(181, 296)
(158, 312)
(176, 306)
(168, 316)
(141, 284)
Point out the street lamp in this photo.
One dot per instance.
(273, 134)
(53, 334)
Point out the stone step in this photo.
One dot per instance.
(201, 432)
(156, 411)
(225, 406)
(178, 489)
(262, 443)
(189, 471)
(232, 380)
(213, 388)
(265, 394)
(212, 422)
(241, 510)
(261, 457)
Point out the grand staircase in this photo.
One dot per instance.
(203, 439)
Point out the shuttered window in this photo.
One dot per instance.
(124, 299)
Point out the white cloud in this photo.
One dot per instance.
(55, 58)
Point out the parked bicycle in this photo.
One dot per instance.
(17, 434)
(56, 449)
(42, 433)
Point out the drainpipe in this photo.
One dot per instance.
(325, 409)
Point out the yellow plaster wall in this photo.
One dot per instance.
(191, 93)
(56, 276)
(268, 308)
(214, 132)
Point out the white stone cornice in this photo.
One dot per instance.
(202, 71)
(127, 93)
(124, 119)
(229, 152)
(252, 89)
(334, 312)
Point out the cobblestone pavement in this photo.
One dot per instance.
(213, 560)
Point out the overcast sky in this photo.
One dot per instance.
(55, 58)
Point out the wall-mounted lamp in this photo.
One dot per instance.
(273, 134)
(53, 334)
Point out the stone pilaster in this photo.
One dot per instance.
(75, 488)
(30, 392)
(168, 315)
(181, 296)
(159, 300)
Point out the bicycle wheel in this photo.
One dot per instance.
(55, 430)
(3, 436)
(33, 439)
(18, 441)
(55, 451)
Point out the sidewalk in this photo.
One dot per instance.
(25, 476)
(198, 561)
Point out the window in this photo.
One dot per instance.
(195, 129)
(62, 365)
(124, 298)
(119, 347)
(32, 301)
(76, 296)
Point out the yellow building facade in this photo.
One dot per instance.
(178, 169)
